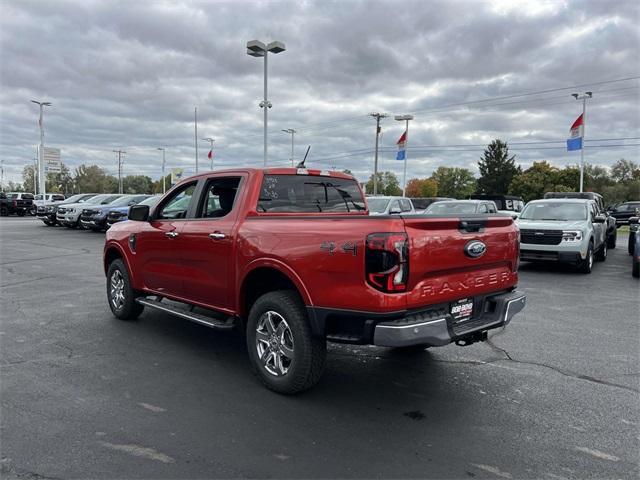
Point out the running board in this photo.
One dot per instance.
(205, 320)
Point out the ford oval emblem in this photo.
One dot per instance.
(475, 249)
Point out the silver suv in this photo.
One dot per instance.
(563, 230)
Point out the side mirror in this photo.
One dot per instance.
(139, 213)
(634, 221)
(394, 211)
(599, 219)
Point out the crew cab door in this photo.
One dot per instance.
(158, 243)
(207, 247)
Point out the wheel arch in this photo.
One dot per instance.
(112, 252)
(265, 277)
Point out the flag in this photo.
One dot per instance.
(210, 155)
(574, 142)
(402, 147)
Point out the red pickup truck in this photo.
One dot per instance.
(292, 257)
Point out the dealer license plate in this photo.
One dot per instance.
(462, 309)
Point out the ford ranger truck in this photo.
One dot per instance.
(293, 258)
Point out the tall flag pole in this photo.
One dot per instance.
(402, 148)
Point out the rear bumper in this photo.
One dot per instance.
(433, 326)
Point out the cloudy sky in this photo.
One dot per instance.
(129, 74)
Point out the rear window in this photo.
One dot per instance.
(309, 193)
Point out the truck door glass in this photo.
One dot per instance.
(406, 205)
(177, 204)
(220, 197)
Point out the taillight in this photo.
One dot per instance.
(387, 261)
(15, 203)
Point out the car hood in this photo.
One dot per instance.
(551, 225)
(120, 209)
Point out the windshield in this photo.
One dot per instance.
(554, 211)
(378, 205)
(306, 193)
(448, 208)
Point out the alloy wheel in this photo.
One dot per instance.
(274, 343)
(117, 289)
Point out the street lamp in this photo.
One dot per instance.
(163, 179)
(405, 118)
(256, 48)
(292, 132)
(582, 97)
(41, 179)
(210, 140)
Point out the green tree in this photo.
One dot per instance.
(536, 180)
(93, 179)
(624, 171)
(29, 178)
(387, 184)
(497, 169)
(454, 182)
(596, 178)
(137, 184)
(60, 182)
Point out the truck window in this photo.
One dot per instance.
(177, 204)
(220, 197)
(309, 193)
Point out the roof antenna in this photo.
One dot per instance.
(301, 164)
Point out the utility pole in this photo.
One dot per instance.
(35, 172)
(1, 175)
(583, 97)
(377, 116)
(292, 132)
(120, 154)
(41, 179)
(195, 113)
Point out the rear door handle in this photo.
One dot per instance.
(217, 236)
(171, 234)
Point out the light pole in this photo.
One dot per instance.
(405, 118)
(163, 163)
(377, 116)
(41, 179)
(256, 48)
(292, 132)
(120, 160)
(210, 140)
(582, 97)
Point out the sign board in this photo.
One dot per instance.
(51, 158)
(176, 175)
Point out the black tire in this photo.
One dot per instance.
(302, 366)
(601, 255)
(124, 307)
(635, 269)
(587, 264)
(632, 243)
(4, 211)
(612, 239)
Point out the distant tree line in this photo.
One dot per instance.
(87, 179)
(500, 175)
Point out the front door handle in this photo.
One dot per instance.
(171, 234)
(217, 236)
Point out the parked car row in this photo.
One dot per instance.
(19, 203)
(90, 210)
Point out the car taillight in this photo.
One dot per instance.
(387, 261)
(15, 203)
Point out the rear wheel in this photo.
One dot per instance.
(601, 256)
(4, 211)
(635, 270)
(587, 263)
(284, 355)
(120, 294)
(612, 239)
(632, 243)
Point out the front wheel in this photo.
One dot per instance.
(120, 294)
(632, 243)
(587, 263)
(284, 355)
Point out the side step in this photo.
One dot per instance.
(211, 322)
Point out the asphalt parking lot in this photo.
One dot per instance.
(555, 395)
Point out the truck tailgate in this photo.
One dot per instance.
(442, 265)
